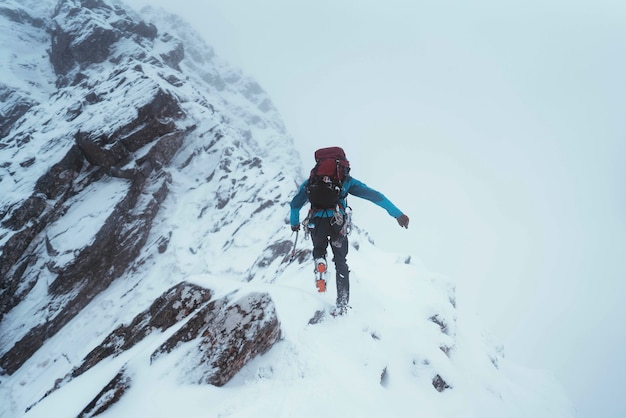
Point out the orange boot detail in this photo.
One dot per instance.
(320, 275)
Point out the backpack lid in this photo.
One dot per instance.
(335, 153)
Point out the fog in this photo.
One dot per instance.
(499, 128)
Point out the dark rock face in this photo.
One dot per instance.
(108, 396)
(221, 338)
(82, 36)
(118, 113)
(17, 106)
(30, 218)
(27, 221)
(114, 249)
(71, 44)
(85, 31)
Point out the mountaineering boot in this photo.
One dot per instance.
(342, 296)
(320, 275)
(339, 310)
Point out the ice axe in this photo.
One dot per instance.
(295, 242)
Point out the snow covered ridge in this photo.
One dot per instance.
(144, 248)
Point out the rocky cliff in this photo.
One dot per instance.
(107, 121)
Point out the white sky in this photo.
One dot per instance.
(498, 127)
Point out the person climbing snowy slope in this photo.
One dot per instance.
(328, 220)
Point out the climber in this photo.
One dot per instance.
(328, 220)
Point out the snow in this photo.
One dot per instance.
(225, 209)
(335, 368)
(86, 215)
(21, 50)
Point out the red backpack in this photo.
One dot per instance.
(327, 177)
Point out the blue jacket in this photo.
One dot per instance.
(350, 186)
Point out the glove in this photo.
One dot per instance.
(403, 221)
(295, 228)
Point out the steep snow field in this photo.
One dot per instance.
(379, 360)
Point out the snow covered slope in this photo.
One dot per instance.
(145, 253)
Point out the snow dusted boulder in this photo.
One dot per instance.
(211, 348)
(167, 310)
(221, 338)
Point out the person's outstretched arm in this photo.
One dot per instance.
(360, 189)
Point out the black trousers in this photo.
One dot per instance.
(323, 232)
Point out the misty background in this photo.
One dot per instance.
(499, 128)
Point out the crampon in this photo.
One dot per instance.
(320, 275)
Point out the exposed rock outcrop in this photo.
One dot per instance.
(221, 338)
(216, 342)
(167, 310)
(108, 396)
